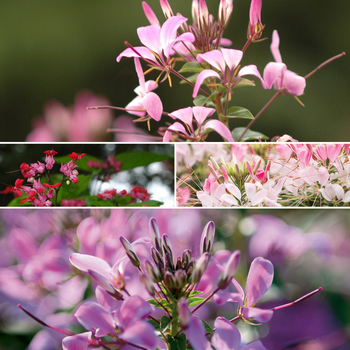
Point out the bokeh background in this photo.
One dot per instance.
(51, 50)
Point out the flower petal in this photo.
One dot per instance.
(215, 58)
(259, 279)
(195, 333)
(273, 72)
(204, 74)
(226, 336)
(259, 315)
(220, 128)
(153, 105)
(275, 47)
(76, 342)
(202, 113)
(294, 83)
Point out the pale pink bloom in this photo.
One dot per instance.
(183, 195)
(158, 42)
(277, 74)
(198, 115)
(146, 101)
(254, 195)
(330, 191)
(226, 61)
(255, 26)
(75, 123)
(152, 18)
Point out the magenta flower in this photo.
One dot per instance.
(146, 101)
(49, 159)
(226, 61)
(158, 43)
(277, 74)
(188, 132)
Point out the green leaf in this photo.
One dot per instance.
(72, 191)
(135, 159)
(178, 343)
(200, 100)
(195, 292)
(191, 67)
(164, 322)
(249, 135)
(150, 203)
(238, 112)
(208, 329)
(154, 323)
(192, 79)
(15, 202)
(195, 301)
(94, 201)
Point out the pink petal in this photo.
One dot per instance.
(251, 70)
(228, 200)
(88, 233)
(259, 279)
(323, 175)
(273, 72)
(185, 37)
(250, 190)
(184, 114)
(202, 113)
(215, 58)
(220, 128)
(138, 51)
(168, 32)
(152, 18)
(132, 310)
(259, 315)
(226, 336)
(140, 75)
(135, 107)
(294, 83)
(333, 151)
(153, 105)
(85, 262)
(176, 127)
(204, 74)
(232, 57)
(259, 197)
(275, 47)
(95, 317)
(150, 37)
(76, 342)
(140, 333)
(196, 335)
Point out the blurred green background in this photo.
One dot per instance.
(54, 49)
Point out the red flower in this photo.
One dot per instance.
(17, 187)
(74, 156)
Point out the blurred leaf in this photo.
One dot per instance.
(15, 202)
(150, 203)
(135, 159)
(191, 67)
(72, 191)
(208, 329)
(178, 343)
(191, 78)
(249, 135)
(238, 112)
(195, 301)
(164, 322)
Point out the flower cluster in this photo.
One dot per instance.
(178, 286)
(41, 195)
(216, 72)
(276, 175)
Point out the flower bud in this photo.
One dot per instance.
(215, 164)
(169, 280)
(167, 246)
(178, 263)
(134, 259)
(207, 238)
(203, 17)
(153, 272)
(225, 12)
(184, 313)
(168, 12)
(186, 257)
(195, 12)
(155, 235)
(169, 262)
(230, 269)
(180, 279)
(147, 283)
(157, 258)
(200, 268)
